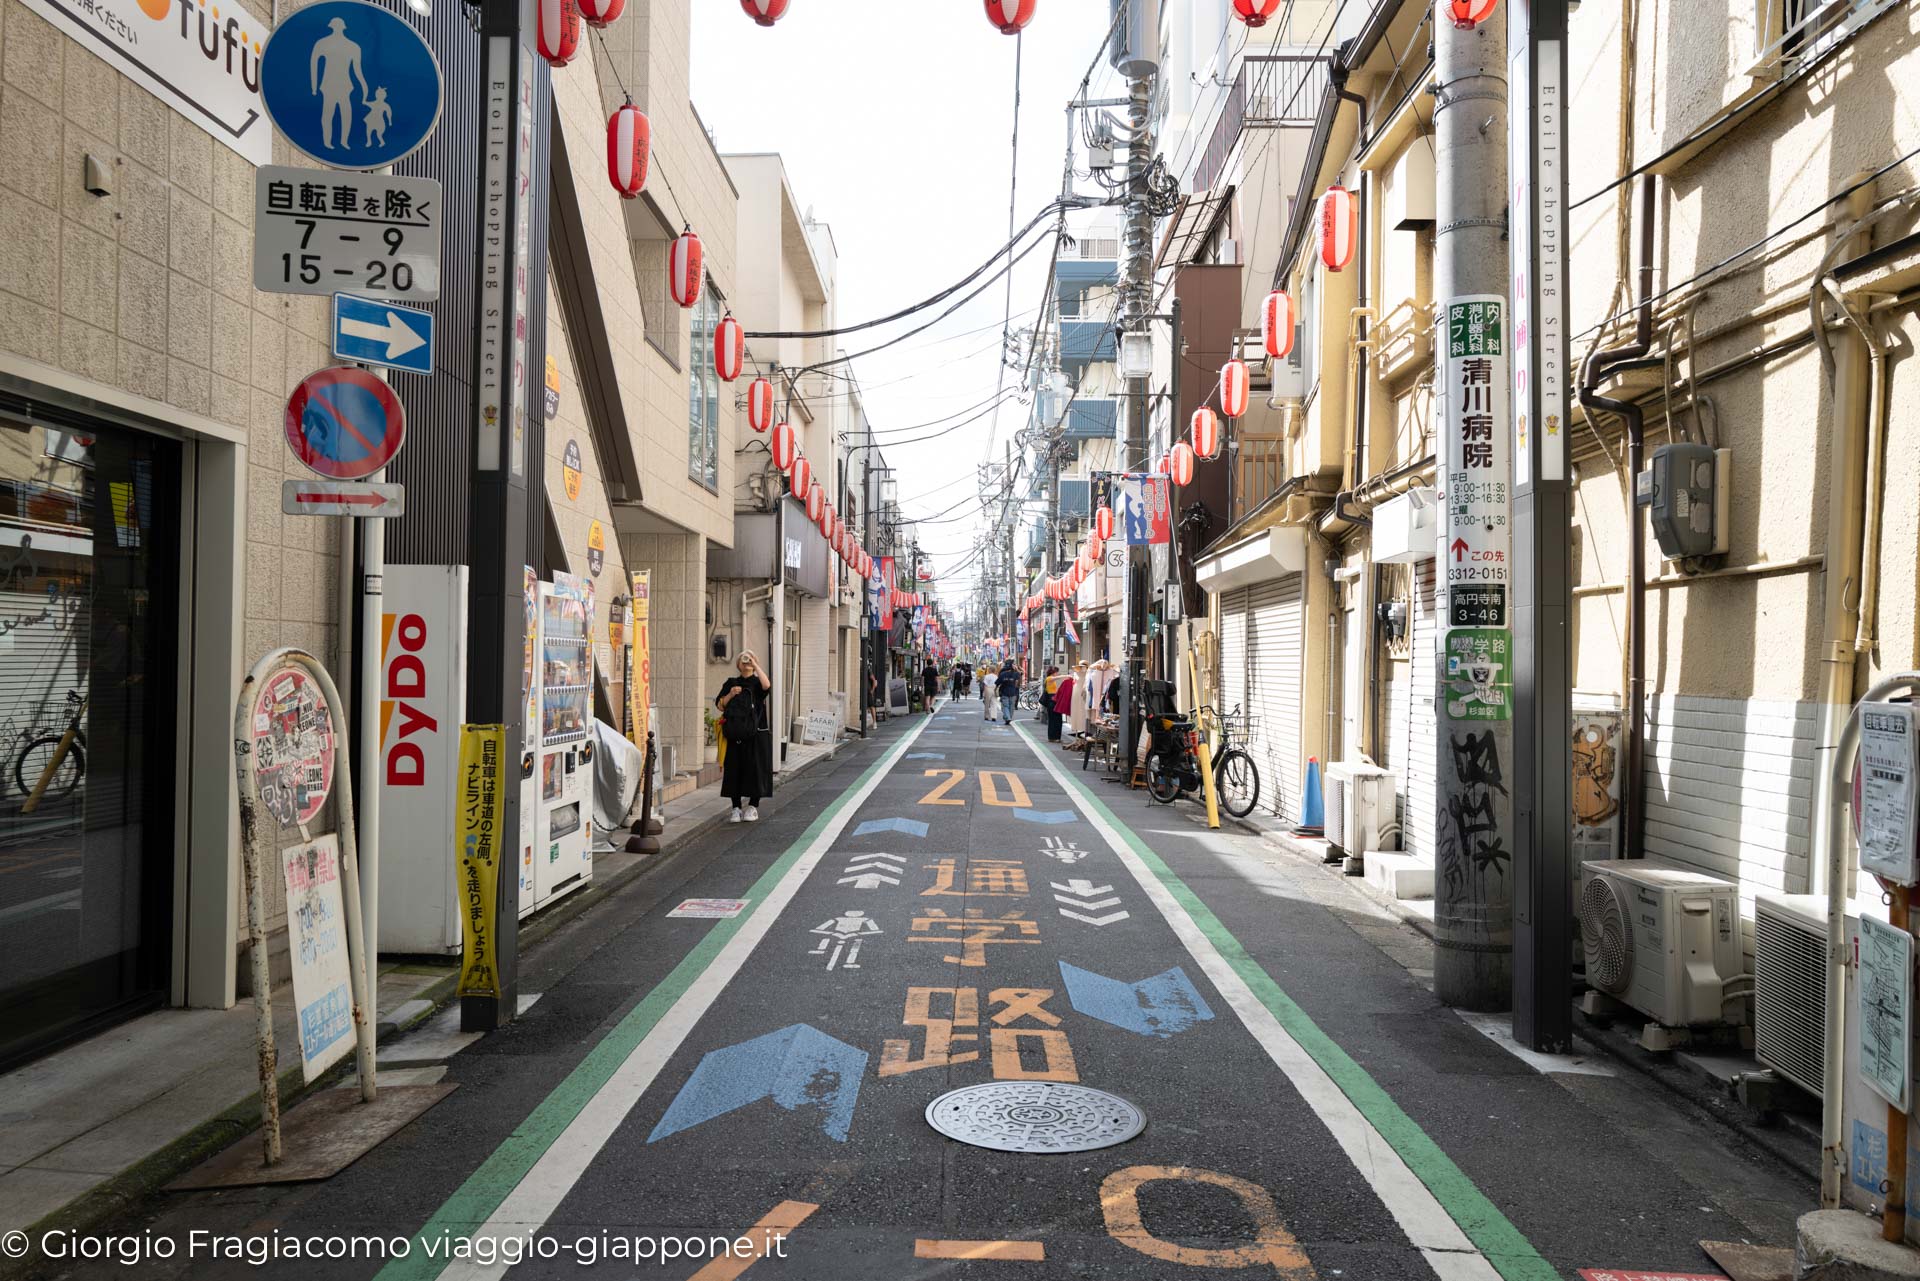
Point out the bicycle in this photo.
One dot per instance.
(52, 765)
(1173, 768)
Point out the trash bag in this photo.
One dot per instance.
(617, 766)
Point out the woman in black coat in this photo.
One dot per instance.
(747, 775)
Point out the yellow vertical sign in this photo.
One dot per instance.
(640, 688)
(477, 831)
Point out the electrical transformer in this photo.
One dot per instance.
(1684, 490)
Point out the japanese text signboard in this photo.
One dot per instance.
(478, 843)
(1884, 800)
(1143, 508)
(316, 232)
(1886, 1009)
(1477, 468)
(317, 942)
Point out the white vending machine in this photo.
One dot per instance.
(562, 768)
(423, 703)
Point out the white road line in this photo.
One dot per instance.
(1428, 1226)
(534, 1199)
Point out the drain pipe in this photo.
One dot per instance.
(1357, 328)
(1632, 797)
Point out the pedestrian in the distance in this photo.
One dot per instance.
(930, 683)
(1048, 688)
(747, 775)
(1008, 683)
(959, 681)
(1063, 697)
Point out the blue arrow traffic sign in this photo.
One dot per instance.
(908, 826)
(345, 424)
(350, 84)
(1158, 1006)
(1045, 816)
(377, 333)
(796, 1067)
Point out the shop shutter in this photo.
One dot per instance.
(1233, 650)
(1417, 810)
(1274, 624)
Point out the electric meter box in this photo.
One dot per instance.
(1684, 490)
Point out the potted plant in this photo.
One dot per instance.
(712, 748)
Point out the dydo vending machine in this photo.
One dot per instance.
(562, 770)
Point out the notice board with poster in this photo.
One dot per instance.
(640, 682)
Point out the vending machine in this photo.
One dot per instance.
(562, 771)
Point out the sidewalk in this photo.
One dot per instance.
(92, 1128)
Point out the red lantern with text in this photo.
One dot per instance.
(1255, 12)
(629, 140)
(1103, 522)
(824, 517)
(1206, 433)
(1010, 15)
(598, 13)
(800, 479)
(760, 405)
(1276, 324)
(764, 12)
(1339, 227)
(786, 443)
(1468, 14)
(1180, 464)
(816, 503)
(559, 30)
(1161, 466)
(729, 348)
(1236, 384)
(1096, 548)
(683, 268)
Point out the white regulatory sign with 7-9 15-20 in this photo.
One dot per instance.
(324, 231)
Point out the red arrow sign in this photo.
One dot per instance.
(361, 500)
(1459, 549)
(341, 498)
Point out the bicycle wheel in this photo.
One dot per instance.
(1237, 780)
(33, 762)
(1162, 785)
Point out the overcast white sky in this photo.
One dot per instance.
(894, 119)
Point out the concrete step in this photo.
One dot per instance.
(1401, 876)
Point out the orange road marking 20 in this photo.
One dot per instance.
(779, 1221)
(938, 795)
(1273, 1244)
(1016, 797)
(1014, 1251)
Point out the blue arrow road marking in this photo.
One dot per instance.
(796, 1067)
(1166, 1004)
(1045, 816)
(910, 826)
(925, 756)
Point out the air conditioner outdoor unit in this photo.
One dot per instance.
(1790, 986)
(1663, 939)
(1360, 805)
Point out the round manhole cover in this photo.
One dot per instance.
(1035, 1116)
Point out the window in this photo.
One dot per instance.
(652, 242)
(703, 393)
(1070, 302)
(1794, 33)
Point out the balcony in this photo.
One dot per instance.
(1272, 91)
(1085, 341)
(1261, 467)
(1092, 418)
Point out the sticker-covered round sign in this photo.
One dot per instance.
(293, 746)
(344, 423)
(570, 469)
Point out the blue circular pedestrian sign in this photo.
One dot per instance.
(350, 84)
(344, 423)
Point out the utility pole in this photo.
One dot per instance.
(1135, 54)
(1473, 705)
(497, 514)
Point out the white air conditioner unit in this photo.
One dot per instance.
(1289, 376)
(1406, 528)
(1360, 805)
(1663, 939)
(1790, 986)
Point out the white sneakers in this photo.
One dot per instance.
(753, 813)
(736, 816)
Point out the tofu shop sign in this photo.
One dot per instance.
(207, 68)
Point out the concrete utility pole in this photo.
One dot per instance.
(1473, 703)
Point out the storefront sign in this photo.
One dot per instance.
(570, 470)
(553, 405)
(640, 687)
(478, 844)
(1536, 160)
(1476, 553)
(206, 68)
(317, 944)
(293, 747)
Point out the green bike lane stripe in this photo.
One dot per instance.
(1492, 1234)
(610, 1079)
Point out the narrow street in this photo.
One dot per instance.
(950, 904)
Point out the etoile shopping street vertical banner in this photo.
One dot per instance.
(1478, 650)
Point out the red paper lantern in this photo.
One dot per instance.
(729, 348)
(558, 22)
(1255, 12)
(1468, 14)
(1010, 15)
(764, 12)
(598, 13)
(786, 443)
(760, 404)
(1103, 522)
(629, 139)
(1276, 324)
(1235, 385)
(683, 268)
(816, 503)
(1206, 432)
(800, 479)
(1339, 227)
(1096, 548)
(1180, 464)
(1161, 466)
(824, 517)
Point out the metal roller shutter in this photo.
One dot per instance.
(1274, 642)
(1417, 823)
(1233, 650)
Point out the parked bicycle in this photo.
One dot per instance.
(1173, 760)
(52, 765)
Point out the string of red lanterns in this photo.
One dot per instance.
(1276, 324)
(1339, 227)
(683, 268)
(557, 23)
(629, 142)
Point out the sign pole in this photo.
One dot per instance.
(497, 511)
(1543, 603)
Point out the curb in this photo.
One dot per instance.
(231, 1125)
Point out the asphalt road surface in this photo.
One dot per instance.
(952, 904)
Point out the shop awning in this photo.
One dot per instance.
(1268, 554)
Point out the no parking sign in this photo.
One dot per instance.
(345, 424)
